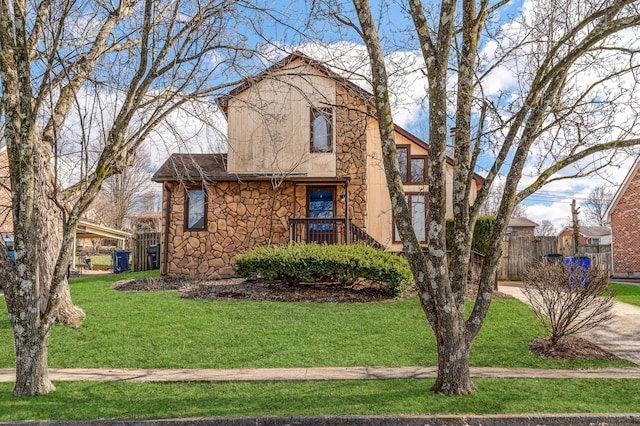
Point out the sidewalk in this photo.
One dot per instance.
(326, 373)
(620, 336)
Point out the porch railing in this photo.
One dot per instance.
(328, 231)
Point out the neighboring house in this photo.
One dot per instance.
(592, 239)
(6, 216)
(624, 216)
(521, 227)
(304, 164)
(146, 222)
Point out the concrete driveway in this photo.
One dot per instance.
(621, 336)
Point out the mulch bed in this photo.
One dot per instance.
(242, 289)
(569, 348)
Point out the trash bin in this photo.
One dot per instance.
(578, 263)
(554, 257)
(153, 256)
(120, 260)
(12, 255)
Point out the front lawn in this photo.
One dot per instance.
(627, 293)
(96, 400)
(160, 330)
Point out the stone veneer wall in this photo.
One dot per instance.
(351, 152)
(625, 225)
(240, 216)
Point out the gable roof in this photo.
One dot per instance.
(622, 189)
(223, 101)
(521, 222)
(590, 231)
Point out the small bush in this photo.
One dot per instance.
(568, 300)
(313, 262)
(481, 233)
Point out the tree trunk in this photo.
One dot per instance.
(32, 371)
(49, 221)
(454, 377)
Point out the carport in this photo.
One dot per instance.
(91, 231)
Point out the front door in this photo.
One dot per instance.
(321, 205)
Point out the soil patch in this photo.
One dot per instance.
(242, 289)
(569, 348)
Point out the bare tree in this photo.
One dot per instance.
(596, 205)
(140, 60)
(124, 190)
(546, 229)
(551, 120)
(491, 205)
(568, 300)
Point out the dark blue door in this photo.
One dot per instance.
(321, 206)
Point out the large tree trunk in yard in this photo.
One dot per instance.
(453, 346)
(49, 219)
(35, 304)
(32, 375)
(453, 377)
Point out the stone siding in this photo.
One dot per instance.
(351, 152)
(625, 227)
(240, 216)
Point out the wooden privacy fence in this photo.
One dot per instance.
(602, 260)
(139, 244)
(518, 253)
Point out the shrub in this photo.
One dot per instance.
(568, 300)
(313, 262)
(481, 233)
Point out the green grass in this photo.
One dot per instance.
(90, 400)
(160, 330)
(101, 259)
(627, 293)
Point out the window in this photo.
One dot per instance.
(412, 167)
(418, 209)
(402, 162)
(195, 208)
(417, 204)
(321, 130)
(418, 169)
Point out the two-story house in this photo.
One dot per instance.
(304, 164)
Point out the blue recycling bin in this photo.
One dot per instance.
(12, 255)
(575, 262)
(120, 260)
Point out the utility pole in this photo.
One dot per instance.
(576, 226)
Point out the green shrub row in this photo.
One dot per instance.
(314, 262)
(481, 233)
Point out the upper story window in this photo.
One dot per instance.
(417, 204)
(321, 129)
(195, 209)
(413, 168)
